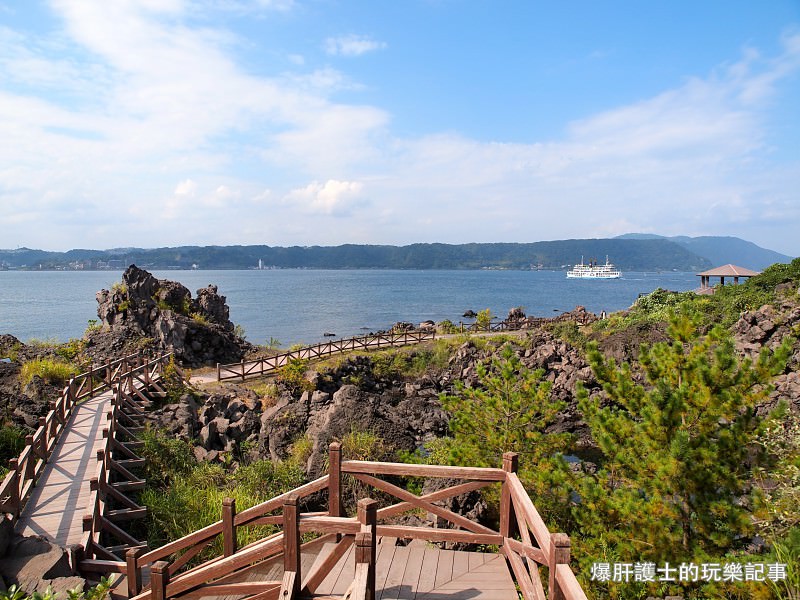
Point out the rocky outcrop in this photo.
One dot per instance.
(162, 314)
(767, 327)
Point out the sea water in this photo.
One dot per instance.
(299, 306)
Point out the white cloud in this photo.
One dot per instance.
(186, 188)
(177, 131)
(352, 45)
(336, 198)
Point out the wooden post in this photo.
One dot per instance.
(43, 439)
(133, 571)
(365, 554)
(86, 522)
(219, 378)
(30, 466)
(159, 578)
(228, 526)
(291, 543)
(510, 465)
(13, 466)
(559, 555)
(368, 517)
(335, 479)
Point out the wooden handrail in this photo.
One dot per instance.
(259, 368)
(570, 588)
(218, 573)
(412, 470)
(15, 489)
(97, 520)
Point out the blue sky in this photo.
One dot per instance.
(281, 122)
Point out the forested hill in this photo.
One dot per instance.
(627, 254)
(721, 250)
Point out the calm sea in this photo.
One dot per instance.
(295, 306)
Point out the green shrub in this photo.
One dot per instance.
(98, 592)
(193, 499)
(50, 370)
(200, 318)
(570, 332)
(484, 319)
(447, 327)
(293, 375)
(166, 457)
(12, 442)
(71, 350)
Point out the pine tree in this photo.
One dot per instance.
(677, 446)
(508, 411)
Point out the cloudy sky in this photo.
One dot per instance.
(281, 122)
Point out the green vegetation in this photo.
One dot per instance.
(183, 496)
(484, 319)
(722, 308)
(184, 307)
(398, 363)
(50, 370)
(447, 327)
(12, 442)
(507, 412)
(777, 513)
(570, 332)
(293, 375)
(11, 352)
(118, 287)
(71, 350)
(677, 450)
(628, 254)
(200, 318)
(98, 592)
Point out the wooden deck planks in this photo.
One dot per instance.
(61, 496)
(418, 572)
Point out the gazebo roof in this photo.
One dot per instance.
(729, 271)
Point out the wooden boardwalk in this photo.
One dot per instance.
(62, 494)
(419, 571)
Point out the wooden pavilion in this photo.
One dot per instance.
(729, 270)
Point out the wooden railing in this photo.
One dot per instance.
(265, 366)
(171, 577)
(109, 501)
(26, 469)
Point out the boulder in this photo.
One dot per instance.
(35, 564)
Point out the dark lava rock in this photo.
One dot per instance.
(161, 315)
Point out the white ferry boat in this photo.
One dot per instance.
(594, 271)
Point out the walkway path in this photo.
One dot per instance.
(416, 572)
(60, 498)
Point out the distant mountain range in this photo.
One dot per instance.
(631, 252)
(721, 250)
